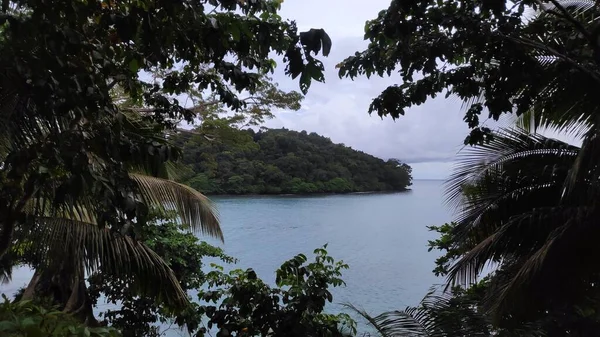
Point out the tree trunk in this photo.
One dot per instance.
(65, 287)
(78, 303)
(29, 292)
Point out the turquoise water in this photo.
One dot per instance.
(383, 237)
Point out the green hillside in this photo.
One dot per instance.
(283, 161)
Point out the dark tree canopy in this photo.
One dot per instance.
(284, 161)
(63, 136)
(497, 56)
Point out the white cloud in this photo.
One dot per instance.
(340, 18)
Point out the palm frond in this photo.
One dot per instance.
(101, 250)
(560, 103)
(493, 161)
(193, 207)
(565, 122)
(529, 235)
(513, 212)
(514, 186)
(575, 7)
(586, 168)
(437, 315)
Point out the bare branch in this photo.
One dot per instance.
(196, 108)
(112, 84)
(195, 133)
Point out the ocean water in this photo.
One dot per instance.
(383, 238)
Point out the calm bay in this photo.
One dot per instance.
(383, 237)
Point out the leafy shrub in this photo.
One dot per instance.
(26, 319)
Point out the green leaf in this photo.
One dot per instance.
(134, 66)
(7, 326)
(305, 81)
(27, 322)
(235, 32)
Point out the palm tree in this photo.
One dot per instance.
(64, 248)
(526, 203)
(537, 242)
(78, 174)
(517, 217)
(65, 238)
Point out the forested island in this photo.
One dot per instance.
(281, 161)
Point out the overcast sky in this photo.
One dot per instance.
(427, 137)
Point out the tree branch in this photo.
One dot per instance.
(194, 108)
(191, 132)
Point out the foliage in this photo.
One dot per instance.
(84, 147)
(69, 241)
(61, 247)
(183, 253)
(514, 209)
(444, 314)
(456, 312)
(26, 319)
(237, 302)
(497, 56)
(527, 204)
(284, 161)
(447, 244)
(216, 118)
(515, 217)
(64, 137)
(245, 306)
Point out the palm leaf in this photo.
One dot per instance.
(513, 174)
(563, 104)
(575, 7)
(437, 315)
(102, 250)
(513, 212)
(193, 208)
(494, 160)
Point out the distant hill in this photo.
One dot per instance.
(283, 161)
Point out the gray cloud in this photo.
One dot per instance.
(427, 137)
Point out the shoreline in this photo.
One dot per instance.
(323, 194)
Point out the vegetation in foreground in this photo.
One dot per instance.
(234, 302)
